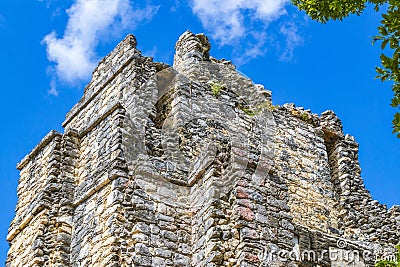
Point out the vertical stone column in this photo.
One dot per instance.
(191, 48)
(62, 187)
(114, 239)
(345, 172)
(98, 219)
(31, 234)
(360, 217)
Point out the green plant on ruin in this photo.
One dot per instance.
(304, 117)
(273, 107)
(314, 123)
(390, 263)
(216, 87)
(257, 109)
(248, 111)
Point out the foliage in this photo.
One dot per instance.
(257, 109)
(248, 111)
(388, 263)
(304, 116)
(389, 36)
(216, 87)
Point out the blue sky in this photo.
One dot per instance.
(48, 49)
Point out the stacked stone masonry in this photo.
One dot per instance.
(192, 165)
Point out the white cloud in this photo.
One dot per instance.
(253, 49)
(53, 88)
(90, 21)
(175, 6)
(244, 24)
(292, 38)
(151, 53)
(47, 2)
(228, 20)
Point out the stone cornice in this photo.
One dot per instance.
(45, 141)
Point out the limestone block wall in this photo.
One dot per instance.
(302, 160)
(35, 171)
(96, 200)
(100, 174)
(38, 169)
(327, 196)
(361, 217)
(118, 74)
(192, 165)
(30, 250)
(41, 230)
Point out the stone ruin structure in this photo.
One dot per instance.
(192, 165)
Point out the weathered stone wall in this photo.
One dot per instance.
(361, 217)
(28, 251)
(328, 199)
(191, 165)
(118, 75)
(301, 159)
(35, 171)
(39, 170)
(44, 210)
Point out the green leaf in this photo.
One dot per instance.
(384, 43)
(395, 102)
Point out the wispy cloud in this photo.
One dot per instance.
(90, 21)
(244, 24)
(53, 88)
(293, 39)
(47, 2)
(228, 20)
(151, 53)
(253, 49)
(174, 7)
